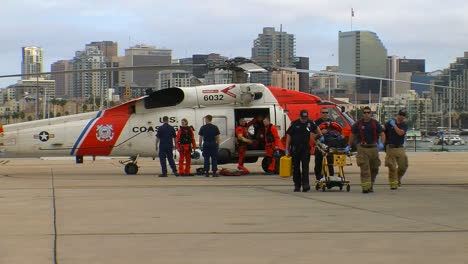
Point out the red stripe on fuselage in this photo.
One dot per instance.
(101, 144)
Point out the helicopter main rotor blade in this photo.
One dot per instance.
(368, 77)
(130, 68)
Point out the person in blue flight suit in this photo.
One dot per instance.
(165, 144)
(209, 136)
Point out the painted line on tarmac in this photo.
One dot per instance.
(359, 208)
(54, 217)
(185, 185)
(267, 233)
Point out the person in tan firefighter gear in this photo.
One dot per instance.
(272, 143)
(365, 133)
(242, 136)
(395, 158)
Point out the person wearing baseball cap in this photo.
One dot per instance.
(298, 137)
(395, 158)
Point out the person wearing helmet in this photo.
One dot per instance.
(298, 137)
(185, 143)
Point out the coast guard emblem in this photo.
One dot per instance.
(104, 133)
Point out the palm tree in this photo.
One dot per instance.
(15, 116)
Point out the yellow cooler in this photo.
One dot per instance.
(285, 166)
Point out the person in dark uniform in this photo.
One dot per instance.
(365, 134)
(298, 138)
(259, 131)
(209, 140)
(324, 118)
(165, 144)
(395, 158)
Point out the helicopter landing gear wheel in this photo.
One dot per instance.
(131, 168)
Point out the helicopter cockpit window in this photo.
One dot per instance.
(164, 98)
(336, 117)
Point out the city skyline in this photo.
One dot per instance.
(419, 29)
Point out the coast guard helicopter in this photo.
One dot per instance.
(129, 129)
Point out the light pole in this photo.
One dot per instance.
(37, 91)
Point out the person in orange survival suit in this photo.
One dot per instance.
(272, 143)
(243, 140)
(185, 142)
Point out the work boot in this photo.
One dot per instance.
(297, 188)
(365, 191)
(306, 188)
(162, 175)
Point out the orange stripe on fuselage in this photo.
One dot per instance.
(93, 144)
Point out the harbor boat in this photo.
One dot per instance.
(455, 140)
(413, 135)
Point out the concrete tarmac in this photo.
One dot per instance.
(55, 210)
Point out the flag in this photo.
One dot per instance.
(352, 12)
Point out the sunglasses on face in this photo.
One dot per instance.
(367, 112)
(324, 112)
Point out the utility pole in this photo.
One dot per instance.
(37, 91)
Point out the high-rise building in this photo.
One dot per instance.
(320, 81)
(173, 78)
(218, 76)
(109, 50)
(302, 63)
(361, 53)
(33, 61)
(411, 65)
(272, 49)
(89, 84)
(143, 55)
(62, 81)
(208, 59)
(456, 75)
(402, 69)
(28, 88)
(285, 79)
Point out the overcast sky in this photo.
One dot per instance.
(425, 29)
